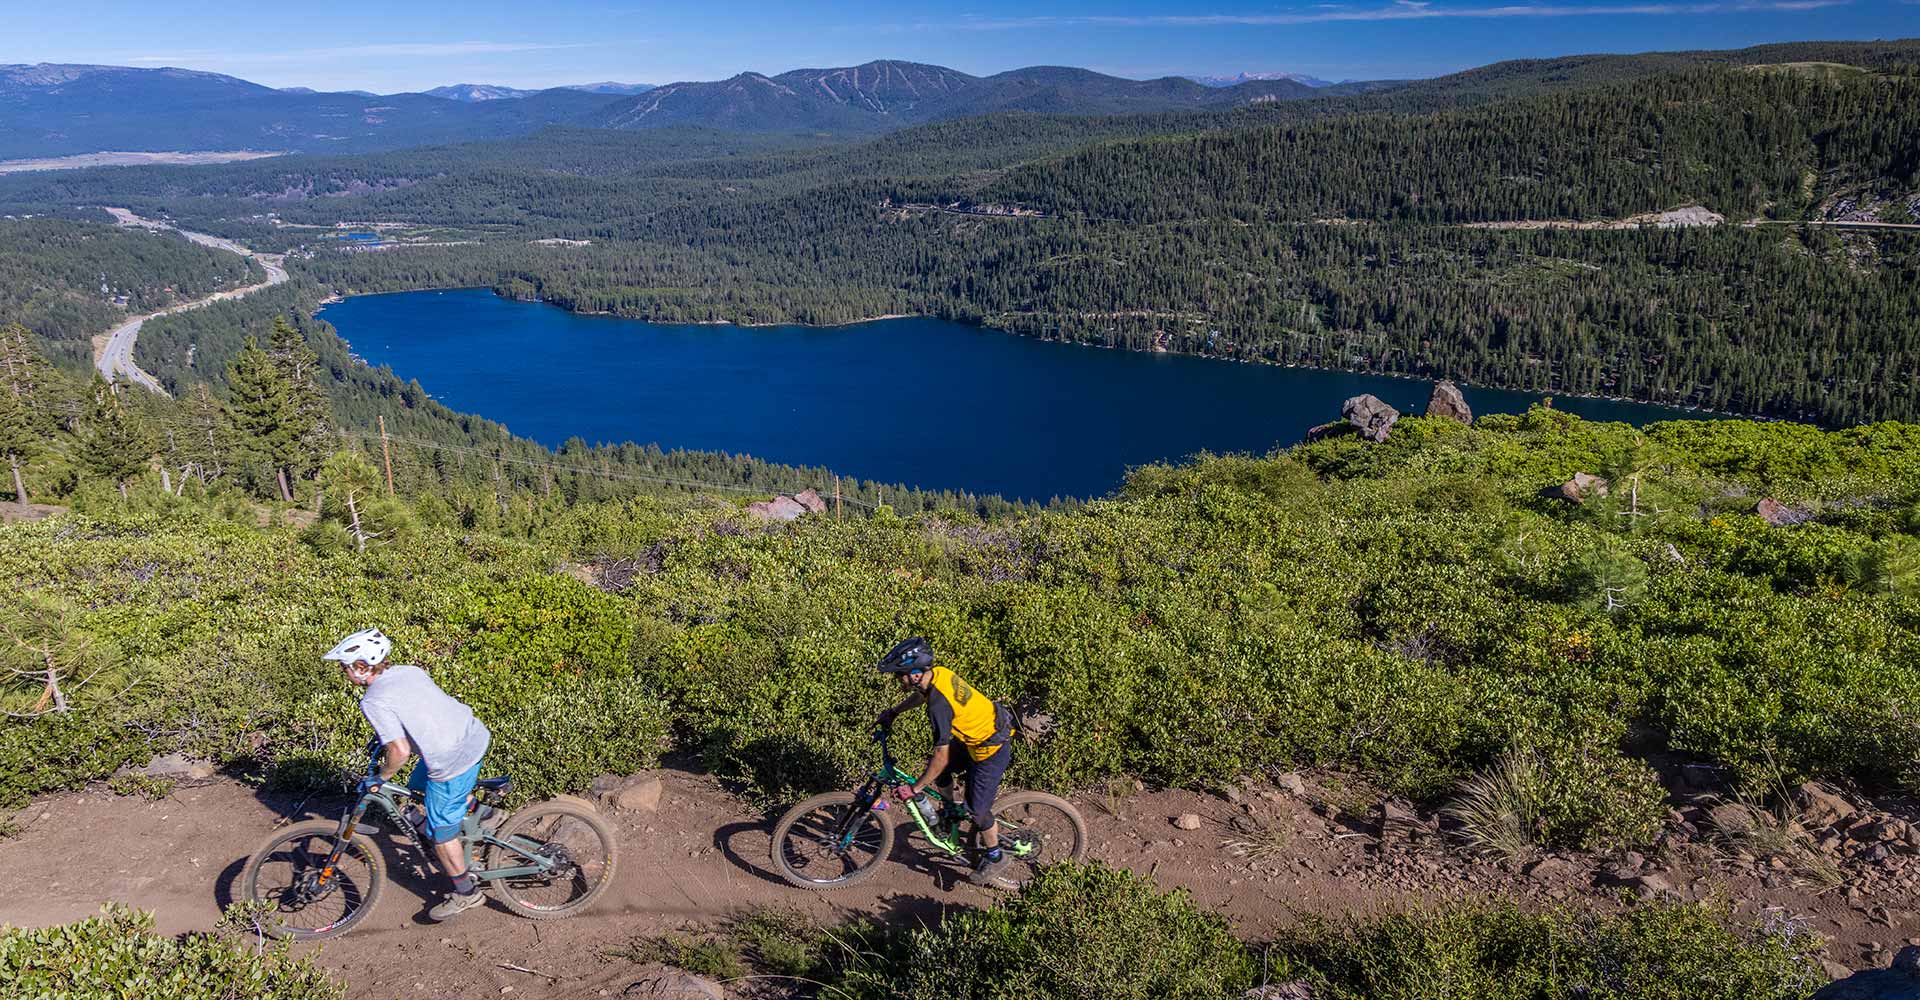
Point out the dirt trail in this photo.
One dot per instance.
(703, 856)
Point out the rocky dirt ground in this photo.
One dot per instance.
(1263, 855)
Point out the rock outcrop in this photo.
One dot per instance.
(633, 793)
(1370, 415)
(668, 983)
(1447, 401)
(788, 507)
(1581, 488)
(1331, 427)
(183, 771)
(1899, 981)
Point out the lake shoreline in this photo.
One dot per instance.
(336, 298)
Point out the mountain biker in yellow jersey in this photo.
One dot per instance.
(412, 715)
(959, 714)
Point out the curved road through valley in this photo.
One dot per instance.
(115, 357)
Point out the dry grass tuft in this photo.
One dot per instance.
(1743, 824)
(1263, 842)
(1499, 810)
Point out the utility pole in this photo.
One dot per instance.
(386, 454)
(836, 498)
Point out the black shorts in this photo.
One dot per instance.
(983, 779)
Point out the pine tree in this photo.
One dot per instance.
(18, 441)
(354, 495)
(116, 442)
(300, 367)
(22, 428)
(265, 412)
(202, 437)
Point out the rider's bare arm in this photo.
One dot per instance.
(936, 766)
(907, 704)
(394, 757)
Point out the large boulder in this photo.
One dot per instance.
(632, 793)
(810, 499)
(1370, 415)
(780, 508)
(180, 769)
(1822, 806)
(1447, 401)
(1900, 981)
(1582, 487)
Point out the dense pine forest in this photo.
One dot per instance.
(71, 282)
(1332, 232)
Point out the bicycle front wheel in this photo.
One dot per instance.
(572, 838)
(830, 841)
(305, 899)
(1037, 829)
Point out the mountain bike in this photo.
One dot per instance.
(839, 838)
(319, 878)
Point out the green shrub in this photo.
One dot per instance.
(116, 955)
(1074, 931)
(1399, 611)
(1681, 952)
(547, 622)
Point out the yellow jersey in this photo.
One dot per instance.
(959, 712)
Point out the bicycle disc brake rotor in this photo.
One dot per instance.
(310, 887)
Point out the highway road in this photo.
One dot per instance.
(115, 357)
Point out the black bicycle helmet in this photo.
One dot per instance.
(909, 655)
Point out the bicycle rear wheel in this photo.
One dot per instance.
(830, 841)
(573, 836)
(305, 901)
(1037, 829)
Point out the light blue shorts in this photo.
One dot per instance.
(444, 801)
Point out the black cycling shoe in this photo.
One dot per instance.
(987, 870)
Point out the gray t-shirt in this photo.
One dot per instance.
(404, 703)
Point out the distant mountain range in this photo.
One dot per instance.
(491, 92)
(59, 110)
(50, 110)
(889, 93)
(1240, 78)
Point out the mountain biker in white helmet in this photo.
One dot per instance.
(412, 715)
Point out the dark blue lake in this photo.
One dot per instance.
(919, 401)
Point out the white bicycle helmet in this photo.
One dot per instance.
(365, 645)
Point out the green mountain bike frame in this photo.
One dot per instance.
(390, 800)
(953, 812)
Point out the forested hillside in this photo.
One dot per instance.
(1205, 234)
(1288, 234)
(1743, 142)
(64, 279)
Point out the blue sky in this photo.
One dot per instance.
(400, 45)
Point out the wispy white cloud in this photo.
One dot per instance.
(385, 50)
(1401, 10)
